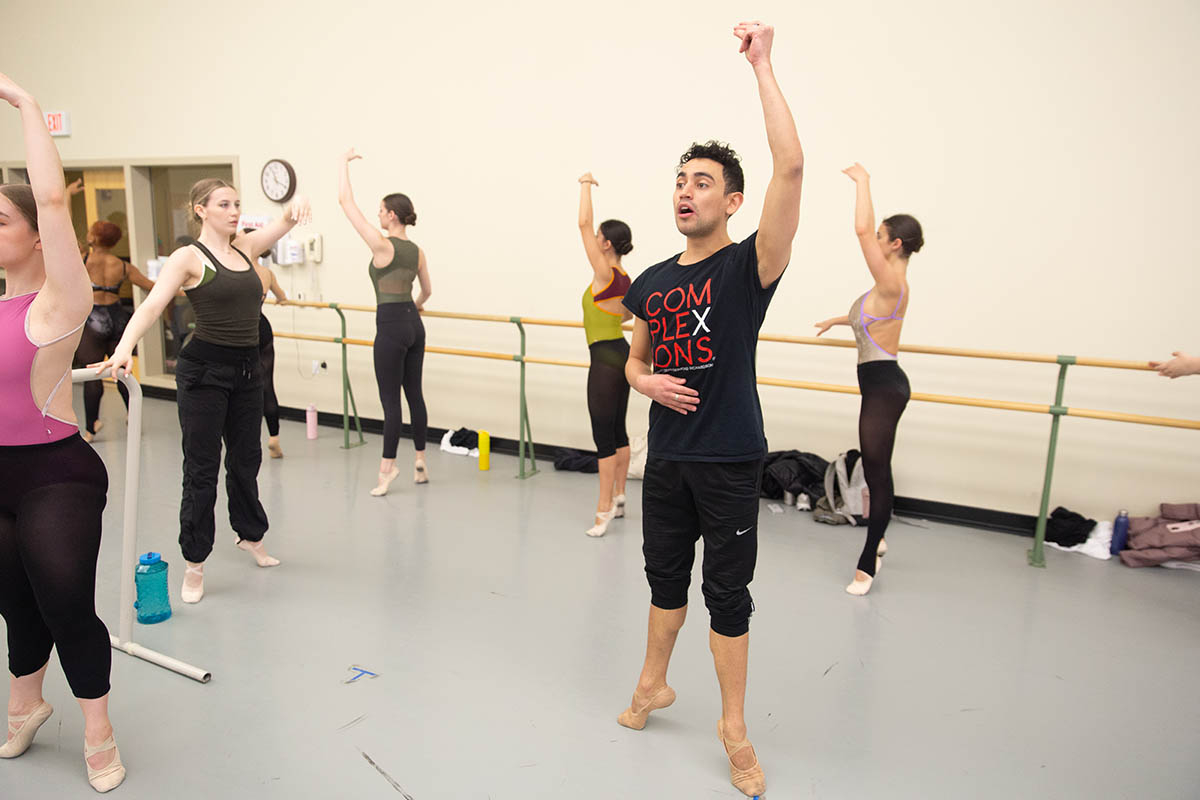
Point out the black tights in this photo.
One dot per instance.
(885, 393)
(266, 354)
(51, 502)
(100, 336)
(399, 360)
(608, 396)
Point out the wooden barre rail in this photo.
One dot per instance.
(961, 352)
(923, 397)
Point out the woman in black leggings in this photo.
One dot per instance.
(876, 318)
(54, 486)
(396, 262)
(106, 323)
(607, 387)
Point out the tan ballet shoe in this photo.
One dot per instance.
(882, 551)
(635, 716)
(420, 473)
(256, 549)
(273, 447)
(192, 594)
(750, 782)
(23, 729)
(106, 778)
(385, 480)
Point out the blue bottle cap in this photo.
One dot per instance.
(149, 558)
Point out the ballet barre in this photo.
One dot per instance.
(1055, 410)
(123, 641)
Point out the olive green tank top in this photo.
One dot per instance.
(599, 325)
(227, 302)
(393, 283)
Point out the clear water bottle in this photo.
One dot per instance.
(1120, 532)
(150, 579)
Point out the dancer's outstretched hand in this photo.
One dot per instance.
(350, 155)
(826, 325)
(756, 41)
(670, 391)
(857, 173)
(587, 178)
(1182, 364)
(299, 210)
(10, 91)
(119, 364)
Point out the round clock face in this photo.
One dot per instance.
(278, 180)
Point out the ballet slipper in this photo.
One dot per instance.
(601, 527)
(861, 586)
(420, 473)
(256, 549)
(104, 779)
(23, 728)
(273, 447)
(192, 594)
(385, 480)
(750, 782)
(619, 504)
(635, 716)
(882, 551)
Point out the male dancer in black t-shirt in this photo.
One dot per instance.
(694, 340)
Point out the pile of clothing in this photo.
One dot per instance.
(1171, 537)
(794, 472)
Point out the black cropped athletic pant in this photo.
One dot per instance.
(683, 501)
(399, 360)
(101, 333)
(220, 397)
(266, 356)
(885, 392)
(51, 501)
(608, 395)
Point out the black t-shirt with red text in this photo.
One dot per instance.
(704, 320)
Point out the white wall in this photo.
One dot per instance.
(1047, 149)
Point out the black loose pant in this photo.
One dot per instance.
(52, 499)
(220, 397)
(266, 355)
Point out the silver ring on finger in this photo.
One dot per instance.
(677, 396)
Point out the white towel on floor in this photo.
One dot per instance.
(1192, 565)
(1097, 544)
(458, 451)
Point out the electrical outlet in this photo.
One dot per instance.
(316, 367)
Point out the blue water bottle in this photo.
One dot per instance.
(153, 604)
(1120, 532)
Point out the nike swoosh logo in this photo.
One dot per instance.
(739, 533)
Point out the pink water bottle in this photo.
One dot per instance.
(310, 418)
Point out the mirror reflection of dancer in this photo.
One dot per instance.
(694, 343)
(876, 319)
(55, 487)
(266, 350)
(218, 377)
(399, 351)
(607, 389)
(106, 324)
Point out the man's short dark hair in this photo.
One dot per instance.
(723, 154)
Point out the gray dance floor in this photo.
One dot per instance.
(506, 642)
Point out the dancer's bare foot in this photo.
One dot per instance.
(259, 552)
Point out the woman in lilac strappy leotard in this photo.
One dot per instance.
(55, 487)
(876, 318)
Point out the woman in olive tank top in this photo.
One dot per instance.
(399, 351)
(607, 388)
(218, 378)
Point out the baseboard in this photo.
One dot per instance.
(968, 516)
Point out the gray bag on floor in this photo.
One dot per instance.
(846, 496)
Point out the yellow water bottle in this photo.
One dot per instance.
(485, 451)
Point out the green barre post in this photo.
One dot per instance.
(1037, 555)
(525, 432)
(347, 390)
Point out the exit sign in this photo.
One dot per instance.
(58, 122)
